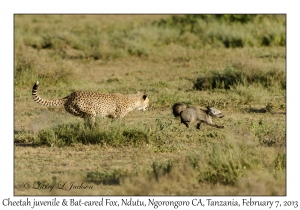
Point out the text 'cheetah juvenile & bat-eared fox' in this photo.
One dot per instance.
(88, 104)
(195, 114)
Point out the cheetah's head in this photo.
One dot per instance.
(143, 102)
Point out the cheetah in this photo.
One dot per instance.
(88, 104)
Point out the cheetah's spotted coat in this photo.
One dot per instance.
(87, 104)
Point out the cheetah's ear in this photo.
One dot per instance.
(145, 96)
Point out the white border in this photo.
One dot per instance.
(9, 8)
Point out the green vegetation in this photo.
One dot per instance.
(236, 63)
(78, 133)
(238, 74)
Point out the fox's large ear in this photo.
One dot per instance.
(145, 96)
(208, 107)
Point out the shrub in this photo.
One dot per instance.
(78, 133)
(107, 178)
(238, 74)
(229, 30)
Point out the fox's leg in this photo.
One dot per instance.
(198, 125)
(209, 122)
(220, 126)
(186, 124)
(215, 125)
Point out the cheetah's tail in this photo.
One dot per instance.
(45, 102)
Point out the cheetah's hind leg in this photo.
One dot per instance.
(90, 120)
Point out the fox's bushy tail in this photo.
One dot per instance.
(178, 108)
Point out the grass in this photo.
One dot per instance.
(236, 63)
(78, 133)
(239, 74)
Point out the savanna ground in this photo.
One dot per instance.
(236, 63)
